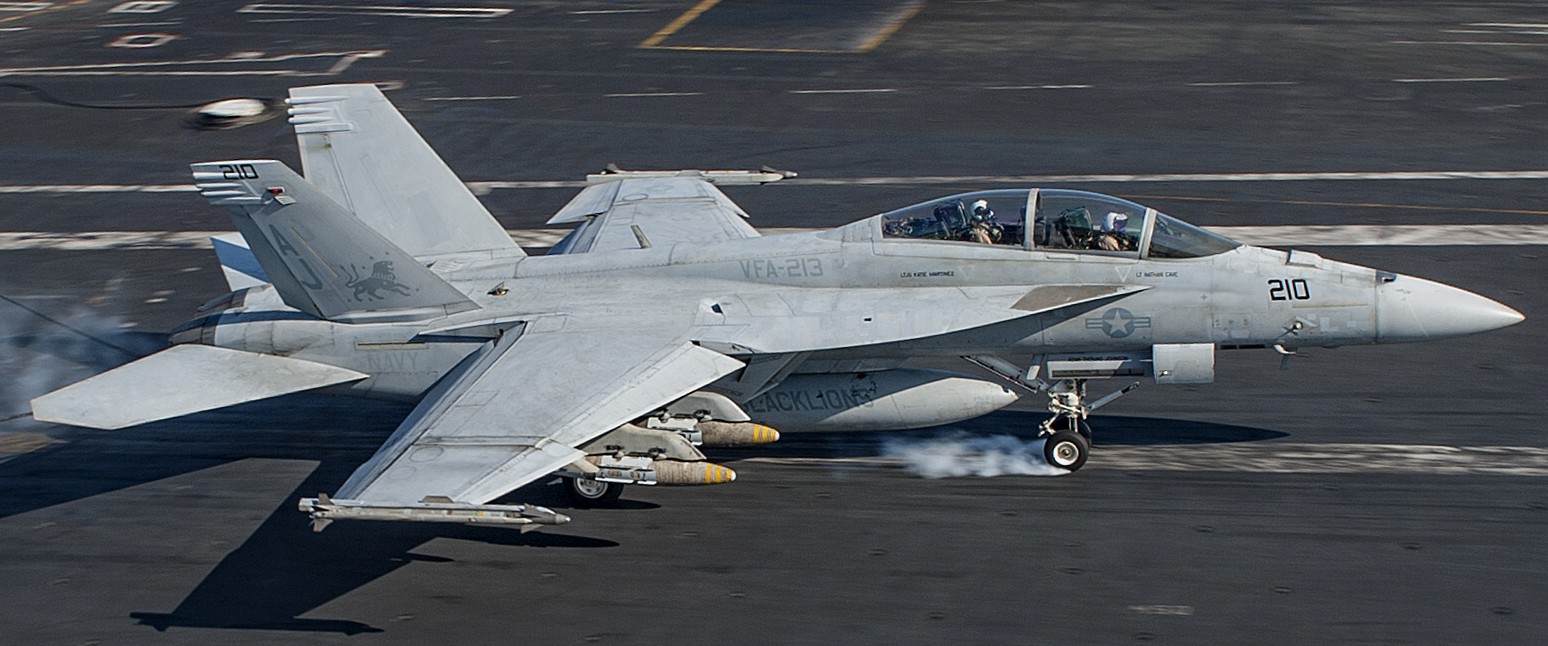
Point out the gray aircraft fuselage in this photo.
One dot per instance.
(1247, 297)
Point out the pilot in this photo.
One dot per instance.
(1114, 234)
(986, 230)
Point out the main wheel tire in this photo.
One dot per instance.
(1066, 450)
(1062, 423)
(586, 493)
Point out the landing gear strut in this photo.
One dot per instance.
(1064, 423)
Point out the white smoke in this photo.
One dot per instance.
(39, 354)
(959, 454)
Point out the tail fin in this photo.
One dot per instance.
(357, 149)
(321, 259)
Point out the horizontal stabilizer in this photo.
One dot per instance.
(180, 380)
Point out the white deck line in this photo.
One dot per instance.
(914, 180)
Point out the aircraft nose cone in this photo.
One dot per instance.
(1415, 309)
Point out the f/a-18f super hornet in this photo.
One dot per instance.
(665, 324)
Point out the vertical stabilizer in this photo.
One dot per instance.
(322, 259)
(357, 149)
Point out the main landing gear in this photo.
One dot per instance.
(586, 493)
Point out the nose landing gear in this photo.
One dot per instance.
(1067, 432)
(1067, 435)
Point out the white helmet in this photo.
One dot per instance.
(1116, 222)
(981, 207)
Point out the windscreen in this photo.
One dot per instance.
(1174, 238)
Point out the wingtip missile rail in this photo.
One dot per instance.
(324, 510)
(764, 175)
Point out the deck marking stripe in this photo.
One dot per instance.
(678, 23)
(377, 10)
(1240, 83)
(1029, 180)
(1353, 205)
(135, 68)
(1472, 79)
(1511, 25)
(892, 26)
(498, 97)
(1466, 42)
(650, 94)
(1068, 86)
(878, 90)
(38, 12)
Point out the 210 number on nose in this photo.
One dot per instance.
(1288, 289)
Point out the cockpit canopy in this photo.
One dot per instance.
(1063, 220)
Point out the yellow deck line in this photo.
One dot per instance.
(681, 21)
(776, 50)
(891, 27)
(30, 14)
(887, 30)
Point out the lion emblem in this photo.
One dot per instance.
(382, 278)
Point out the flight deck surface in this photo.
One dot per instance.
(1367, 494)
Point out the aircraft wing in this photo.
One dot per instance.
(514, 411)
(664, 210)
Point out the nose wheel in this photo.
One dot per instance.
(1066, 450)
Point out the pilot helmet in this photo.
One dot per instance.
(981, 209)
(1116, 222)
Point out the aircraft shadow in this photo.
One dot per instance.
(82, 463)
(284, 570)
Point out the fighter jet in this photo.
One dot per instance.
(664, 324)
